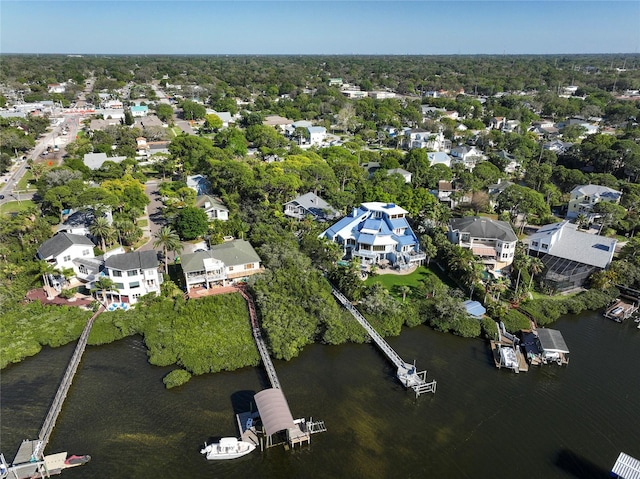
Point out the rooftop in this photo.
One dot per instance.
(60, 243)
(134, 260)
(481, 227)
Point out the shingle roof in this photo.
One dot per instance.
(232, 253)
(480, 227)
(60, 243)
(134, 260)
(312, 202)
(597, 191)
(201, 200)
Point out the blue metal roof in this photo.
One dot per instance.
(365, 238)
(398, 223)
(405, 239)
(343, 223)
(371, 224)
(474, 308)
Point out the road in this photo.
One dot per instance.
(154, 209)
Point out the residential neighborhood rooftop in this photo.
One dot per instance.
(60, 242)
(134, 260)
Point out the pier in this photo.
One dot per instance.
(273, 410)
(406, 373)
(621, 310)
(30, 461)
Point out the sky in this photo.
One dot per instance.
(319, 27)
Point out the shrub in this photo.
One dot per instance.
(175, 378)
(514, 321)
(489, 328)
(467, 327)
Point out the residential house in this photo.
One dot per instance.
(199, 183)
(377, 233)
(56, 87)
(512, 164)
(142, 147)
(148, 121)
(419, 138)
(584, 197)
(226, 117)
(279, 122)
(139, 110)
(496, 189)
(570, 256)
(449, 194)
(544, 128)
(439, 158)
(134, 274)
(381, 95)
(469, 156)
(317, 134)
(223, 264)
(312, 205)
(399, 171)
(497, 122)
(112, 105)
(335, 81)
(355, 94)
(213, 207)
(430, 112)
(493, 241)
(63, 248)
(557, 146)
(95, 160)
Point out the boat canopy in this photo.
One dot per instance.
(274, 411)
(551, 340)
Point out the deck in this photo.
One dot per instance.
(621, 310)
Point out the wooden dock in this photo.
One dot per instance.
(406, 373)
(621, 310)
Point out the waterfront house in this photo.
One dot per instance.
(213, 207)
(312, 205)
(377, 233)
(63, 248)
(584, 197)
(134, 274)
(570, 256)
(493, 241)
(223, 264)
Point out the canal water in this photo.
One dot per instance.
(551, 422)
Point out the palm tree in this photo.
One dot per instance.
(581, 221)
(100, 228)
(535, 267)
(169, 240)
(520, 261)
(46, 269)
(404, 290)
(104, 285)
(428, 247)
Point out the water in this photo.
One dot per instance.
(551, 422)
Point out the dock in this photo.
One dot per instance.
(406, 372)
(507, 353)
(621, 310)
(30, 461)
(273, 420)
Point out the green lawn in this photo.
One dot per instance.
(393, 282)
(143, 223)
(26, 178)
(15, 207)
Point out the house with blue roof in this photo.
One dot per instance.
(377, 233)
(139, 110)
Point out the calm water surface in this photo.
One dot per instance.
(551, 422)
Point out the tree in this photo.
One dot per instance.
(404, 290)
(536, 266)
(169, 240)
(164, 112)
(191, 223)
(428, 247)
(212, 122)
(193, 111)
(104, 285)
(102, 229)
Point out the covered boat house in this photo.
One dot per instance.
(545, 346)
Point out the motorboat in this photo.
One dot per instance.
(75, 459)
(227, 448)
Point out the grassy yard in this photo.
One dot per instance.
(143, 223)
(393, 282)
(26, 179)
(15, 207)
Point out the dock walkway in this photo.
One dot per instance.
(406, 372)
(262, 347)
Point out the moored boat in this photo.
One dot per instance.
(227, 448)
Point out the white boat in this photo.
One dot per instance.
(227, 448)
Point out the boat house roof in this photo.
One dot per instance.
(626, 467)
(552, 340)
(274, 411)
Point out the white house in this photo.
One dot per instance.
(378, 233)
(406, 175)
(113, 105)
(223, 264)
(419, 138)
(493, 241)
(213, 207)
(56, 87)
(317, 134)
(584, 197)
(134, 274)
(469, 156)
(439, 158)
(570, 256)
(63, 248)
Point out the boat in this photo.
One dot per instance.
(227, 448)
(75, 460)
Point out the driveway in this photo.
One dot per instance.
(154, 210)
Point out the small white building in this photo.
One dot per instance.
(213, 207)
(63, 248)
(317, 134)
